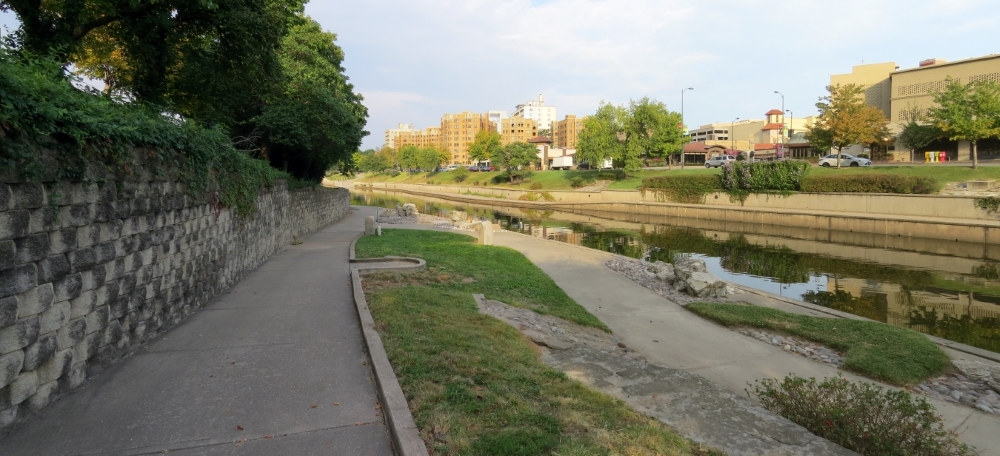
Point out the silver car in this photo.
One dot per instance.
(718, 161)
(845, 160)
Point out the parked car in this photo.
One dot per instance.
(719, 160)
(486, 168)
(474, 168)
(452, 167)
(845, 160)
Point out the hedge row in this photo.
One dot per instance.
(868, 183)
(685, 188)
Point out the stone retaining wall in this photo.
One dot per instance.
(88, 272)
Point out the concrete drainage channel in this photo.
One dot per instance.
(398, 419)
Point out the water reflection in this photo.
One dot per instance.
(948, 296)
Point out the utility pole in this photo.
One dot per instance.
(683, 127)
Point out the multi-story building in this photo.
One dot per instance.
(902, 93)
(737, 135)
(496, 117)
(517, 129)
(565, 132)
(537, 111)
(428, 137)
(392, 133)
(459, 130)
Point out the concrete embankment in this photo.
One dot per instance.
(943, 217)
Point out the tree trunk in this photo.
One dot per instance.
(975, 156)
(838, 156)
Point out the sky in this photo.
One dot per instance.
(415, 60)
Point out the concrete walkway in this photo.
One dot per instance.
(277, 366)
(669, 335)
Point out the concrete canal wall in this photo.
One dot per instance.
(941, 217)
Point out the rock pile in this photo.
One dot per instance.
(686, 276)
(977, 386)
(810, 350)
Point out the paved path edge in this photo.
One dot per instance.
(402, 429)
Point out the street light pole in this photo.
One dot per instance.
(732, 136)
(782, 122)
(791, 123)
(682, 122)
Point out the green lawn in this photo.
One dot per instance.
(500, 273)
(876, 350)
(474, 384)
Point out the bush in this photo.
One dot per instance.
(990, 204)
(742, 178)
(615, 175)
(860, 416)
(393, 172)
(460, 174)
(868, 183)
(684, 188)
(536, 186)
(578, 181)
(537, 196)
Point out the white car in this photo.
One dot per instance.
(720, 160)
(845, 160)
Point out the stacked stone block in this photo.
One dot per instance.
(89, 271)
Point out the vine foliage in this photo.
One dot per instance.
(43, 115)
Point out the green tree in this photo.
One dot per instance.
(211, 61)
(485, 144)
(968, 112)
(317, 119)
(845, 120)
(370, 162)
(513, 156)
(409, 157)
(650, 131)
(601, 138)
(429, 158)
(917, 135)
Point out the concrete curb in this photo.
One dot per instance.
(402, 429)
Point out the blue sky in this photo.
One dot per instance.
(418, 59)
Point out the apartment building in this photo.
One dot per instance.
(392, 133)
(517, 129)
(496, 117)
(901, 93)
(428, 137)
(543, 115)
(459, 130)
(566, 132)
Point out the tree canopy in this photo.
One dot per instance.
(259, 69)
(513, 156)
(486, 143)
(967, 112)
(845, 120)
(627, 134)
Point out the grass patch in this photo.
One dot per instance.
(475, 385)
(876, 350)
(940, 174)
(500, 273)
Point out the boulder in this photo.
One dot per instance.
(410, 210)
(974, 370)
(704, 285)
(459, 216)
(684, 267)
(665, 272)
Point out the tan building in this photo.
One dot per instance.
(428, 137)
(565, 132)
(900, 93)
(459, 130)
(392, 133)
(517, 129)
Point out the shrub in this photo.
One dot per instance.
(537, 196)
(684, 188)
(394, 173)
(860, 416)
(578, 181)
(460, 174)
(615, 175)
(990, 204)
(868, 183)
(536, 186)
(742, 178)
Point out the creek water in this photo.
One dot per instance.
(947, 289)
